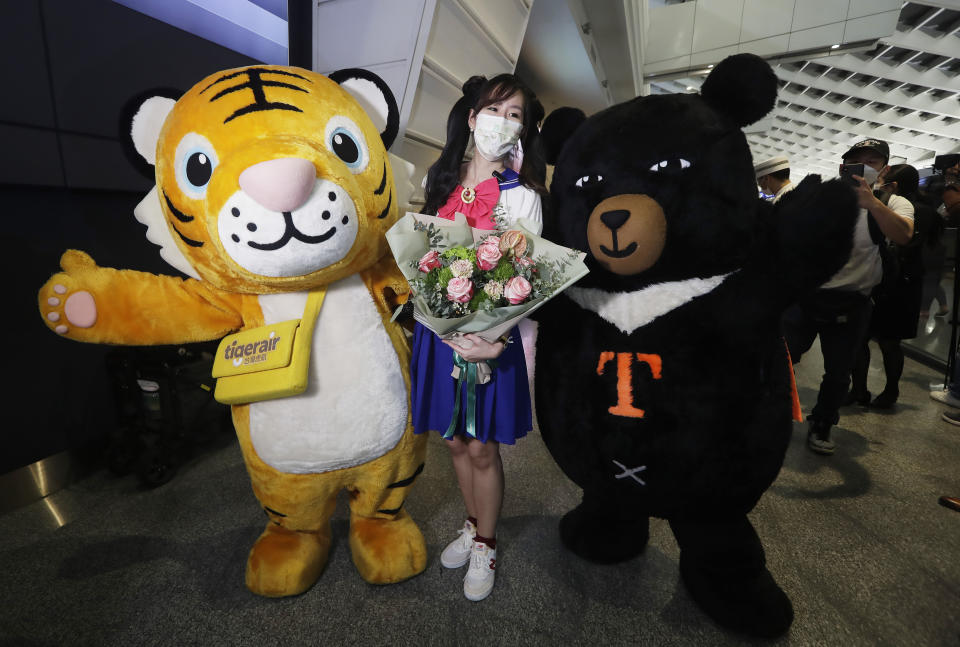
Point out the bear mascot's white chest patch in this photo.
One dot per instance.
(631, 310)
(333, 424)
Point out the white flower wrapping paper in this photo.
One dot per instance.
(409, 245)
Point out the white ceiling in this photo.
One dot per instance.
(904, 88)
(554, 61)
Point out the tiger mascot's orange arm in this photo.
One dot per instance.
(389, 288)
(95, 304)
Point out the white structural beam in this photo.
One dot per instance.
(801, 153)
(765, 150)
(862, 130)
(943, 4)
(808, 147)
(918, 144)
(829, 153)
(889, 116)
(946, 106)
(935, 78)
(836, 142)
(917, 39)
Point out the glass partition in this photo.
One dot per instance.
(932, 345)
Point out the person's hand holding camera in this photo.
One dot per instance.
(865, 197)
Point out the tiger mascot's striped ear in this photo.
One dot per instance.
(141, 119)
(375, 97)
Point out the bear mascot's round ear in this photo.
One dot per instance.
(557, 128)
(141, 119)
(375, 97)
(743, 87)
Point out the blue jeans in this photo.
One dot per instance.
(841, 319)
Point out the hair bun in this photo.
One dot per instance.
(472, 87)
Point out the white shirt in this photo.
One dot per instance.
(864, 269)
(522, 202)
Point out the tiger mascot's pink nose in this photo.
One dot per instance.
(281, 184)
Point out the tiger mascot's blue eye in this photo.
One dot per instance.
(345, 147)
(199, 169)
(345, 140)
(194, 161)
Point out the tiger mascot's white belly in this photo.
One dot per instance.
(355, 407)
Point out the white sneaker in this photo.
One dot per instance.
(457, 552)
(479, 579)
(945, 397)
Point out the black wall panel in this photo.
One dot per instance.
(70, 66)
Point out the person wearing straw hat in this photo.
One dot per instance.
(773, 177)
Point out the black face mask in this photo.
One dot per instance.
(882, 194)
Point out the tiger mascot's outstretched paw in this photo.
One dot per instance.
(285, 562)
(386, 551)
(67, 308)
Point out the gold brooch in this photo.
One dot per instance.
(468, 196)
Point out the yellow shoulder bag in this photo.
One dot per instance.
(267, 362)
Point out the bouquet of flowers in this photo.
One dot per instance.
(478, 281)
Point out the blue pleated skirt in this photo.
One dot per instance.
(503, 403)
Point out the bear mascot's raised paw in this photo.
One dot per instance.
(663, 385)
(273, 191)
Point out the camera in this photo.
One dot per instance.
(847, 171)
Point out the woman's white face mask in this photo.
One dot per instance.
(495, 136)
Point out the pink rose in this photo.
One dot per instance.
(430, 260)
(513, 241)
(490, 240)
(525, 261)
(460, 289)
(488, 254)
(517, 290)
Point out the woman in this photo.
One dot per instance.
(897, 304)
(500, 115)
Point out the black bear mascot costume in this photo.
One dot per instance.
(664, 387)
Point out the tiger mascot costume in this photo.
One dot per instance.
(273, 186)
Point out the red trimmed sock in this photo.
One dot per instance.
(472, 520)
(491, 542)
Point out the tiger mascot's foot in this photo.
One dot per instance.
(285, 562)
(387, 550)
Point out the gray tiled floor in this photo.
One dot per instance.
(857, 540)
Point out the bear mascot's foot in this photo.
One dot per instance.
(387, 550)
(598, 532)
(724, 569)
(286, 562)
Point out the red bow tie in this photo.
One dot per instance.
(476, 204)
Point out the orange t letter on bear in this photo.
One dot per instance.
(624, 406)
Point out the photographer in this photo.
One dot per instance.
(839, 311)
